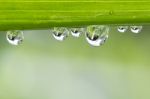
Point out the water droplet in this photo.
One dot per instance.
(96, 35)
(76, 32)
(15, 37)
(122, 29)
(136, 29)
(60, 33)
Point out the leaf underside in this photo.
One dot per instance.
(39, 14)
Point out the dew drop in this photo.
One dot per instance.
(60, 33)
(136, 29)
(96, 35)
(15, 37)
(76, 32)
(122, 29)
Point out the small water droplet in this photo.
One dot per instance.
(136, 29)
(96, 35)
(76, 32)
(15, 37)
(60, 33)
(122, 29)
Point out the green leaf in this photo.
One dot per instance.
(38, 14)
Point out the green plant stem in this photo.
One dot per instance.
(38, 14)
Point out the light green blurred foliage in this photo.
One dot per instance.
(43, 68)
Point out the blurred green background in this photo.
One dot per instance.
(43, 68)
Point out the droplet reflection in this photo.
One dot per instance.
(76, 32)
(136, 29)
(15, 37)
(60, 33)
(96, 35)
(122, 29)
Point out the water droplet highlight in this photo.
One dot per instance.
(76, 32)
(122, 29)
(96, 35)
(60, 33)
(136, 29)
(15, 37)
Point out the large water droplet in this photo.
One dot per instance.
(15, 37)
(76, 32)
(96, 35)
(136, 29)
(60, 33)
(122, 29)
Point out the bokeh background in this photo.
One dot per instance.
(43, 68)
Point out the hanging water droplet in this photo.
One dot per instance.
(96, 35)
(15, 37)
(122, 29)
(136, 29)
(76, 32)
(60, 33)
